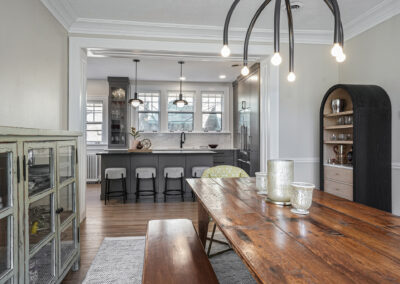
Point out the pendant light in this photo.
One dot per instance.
(135, 102)
(180, 102)
(276, 59)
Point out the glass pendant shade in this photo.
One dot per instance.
(135, 102)
(180, 102)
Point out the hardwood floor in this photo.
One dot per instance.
(117, 220)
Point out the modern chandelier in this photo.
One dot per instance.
(276, 59)
(135, 102)
(180, 102)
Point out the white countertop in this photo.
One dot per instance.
(349, 167)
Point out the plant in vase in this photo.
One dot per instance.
(135, 134)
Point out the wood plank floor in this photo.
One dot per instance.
(117, 220)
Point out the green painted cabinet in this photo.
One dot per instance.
(39, 218)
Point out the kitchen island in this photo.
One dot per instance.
(158, 159)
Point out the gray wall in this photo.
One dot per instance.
(34, 66)
(373, 58)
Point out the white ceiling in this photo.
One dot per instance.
(314, 15)
(162, 69)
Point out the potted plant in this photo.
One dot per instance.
(135, 134)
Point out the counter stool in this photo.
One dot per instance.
(115, 174)
(145, 173)
(173, 173)
(197, 172)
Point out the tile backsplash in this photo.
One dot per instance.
(195, 140)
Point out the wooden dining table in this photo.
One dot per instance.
(338, 242)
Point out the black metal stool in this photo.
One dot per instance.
(115, 174)
(174, 173)
(197, 172)
(145, 173)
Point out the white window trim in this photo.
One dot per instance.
(197, 90)
(223, 114)
(137, 111)
(105, 119)
(195, 99)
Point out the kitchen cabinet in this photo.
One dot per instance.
(355, 145)
(39, 218)
(246, 101)
(118, 112)
(225, 157)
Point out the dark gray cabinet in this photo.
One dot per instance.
(246, 136)
(225, 157)
(160, 161)
(118, 112)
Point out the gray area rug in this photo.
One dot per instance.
(120, 261)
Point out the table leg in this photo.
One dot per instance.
(203, 221)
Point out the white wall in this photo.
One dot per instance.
(99, 88)
(299, 105)
(34, 66)
(373, 58)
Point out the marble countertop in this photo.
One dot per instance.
(157, 152)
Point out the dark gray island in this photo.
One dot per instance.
(158, 159)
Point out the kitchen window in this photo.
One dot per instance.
(95, 122)
(211, 107)
(149, 112)
(180, 119)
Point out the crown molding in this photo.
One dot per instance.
(62, 11)
(66, 15)
(373, 17)
(189, 32)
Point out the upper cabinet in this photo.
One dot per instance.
(355, 139)
(118, 112)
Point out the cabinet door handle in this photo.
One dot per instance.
(59, 210)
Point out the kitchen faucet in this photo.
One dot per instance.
(183, 139)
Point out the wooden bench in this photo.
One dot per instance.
(174, 254)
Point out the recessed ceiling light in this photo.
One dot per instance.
(254, 78)
(222, 76)
(182, 78)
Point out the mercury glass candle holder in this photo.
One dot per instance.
(280, 177)
(261, 183)
(301, 198)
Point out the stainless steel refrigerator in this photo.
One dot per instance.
(246, 104)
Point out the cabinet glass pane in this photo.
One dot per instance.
(67, 201)
(40, 220)
(41, 265)
(66, 162)
(118, 111)
(68, 242)
(5, 179)
(5, 244)
(40, 170)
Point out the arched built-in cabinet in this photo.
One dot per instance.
(355, 145)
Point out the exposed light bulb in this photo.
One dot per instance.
(225, 51)
(276, 59)
(245, 71)
(336, 50)
(135, 103)
(291, 77)
(341, 57)
(180, 104)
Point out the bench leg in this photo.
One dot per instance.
(203, 221)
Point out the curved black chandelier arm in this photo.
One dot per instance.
(338, 21)
(277, 22)
(228, 19)
(250, 29)
(331, 7)
(291, 36)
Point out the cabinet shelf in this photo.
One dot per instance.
(348, 112)
(347, 142)
(333, 127)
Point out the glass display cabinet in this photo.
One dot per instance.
(39, 220)
(8, 213)
(118, 112)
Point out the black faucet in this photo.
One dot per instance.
(183, 138)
